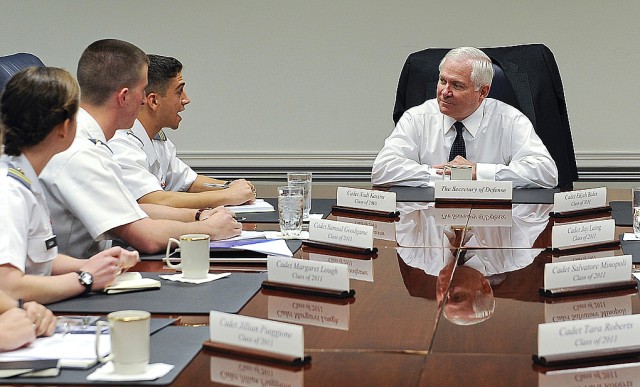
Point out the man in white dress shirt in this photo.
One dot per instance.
(499, 141)
(88, 202)
(150, 166)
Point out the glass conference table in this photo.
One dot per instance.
(451, 298)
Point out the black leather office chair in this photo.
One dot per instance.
(11, 64)
(526, 77)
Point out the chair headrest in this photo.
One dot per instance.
(501, 88)
(11, 64)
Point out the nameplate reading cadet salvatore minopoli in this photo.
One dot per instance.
(480, 190)
(580, 200)
(589, 272)
(339, 233)
(574, 235)
(366, 199)
(596, 376)
(311, 274)
(259, 335)
(588, 338)
(588, 309)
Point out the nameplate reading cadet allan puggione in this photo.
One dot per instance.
(586, 338)
(339, 233)
(473, 190)
(232, 372)
(321, 275)
(598, 271)
(585, 233)
(366, 199)
(579, 200)
(254, 333)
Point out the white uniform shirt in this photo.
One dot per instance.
(149, 165)
(26, 239)
(498, 137)
(85, 192)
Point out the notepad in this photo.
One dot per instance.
(131, 282)
(259, 205)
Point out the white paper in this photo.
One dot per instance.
(259, 205)
(154, 371)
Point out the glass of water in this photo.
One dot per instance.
(302, 179)
(635, 203)
(290, 208)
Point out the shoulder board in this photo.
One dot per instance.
(160, 136)
(19, 176)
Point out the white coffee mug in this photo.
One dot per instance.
(130, 347)
(194, 255)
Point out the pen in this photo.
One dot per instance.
(214, 185)
(20, 303)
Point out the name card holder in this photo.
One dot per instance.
(594, 357)
(580, 290)
(581, 236)
(313, 291)
(580, 203)
(357, 201)
(237, 335)
(339, 236)
(323, 279)
(473, 191)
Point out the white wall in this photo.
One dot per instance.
(294, 82)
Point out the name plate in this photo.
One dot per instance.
(450, 216)
(588, 309)
(473, 190)
(575, 235)
(312, 274)
(580, 200)
(600, 376)
(589, 272)
(340, 233)
(366, 199)
(234, 372)
(381, 230)
(588, 338)
(321, 314)
(587, 255)
(263, 336)
(359, 269)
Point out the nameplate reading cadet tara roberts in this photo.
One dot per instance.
(257, 336)
(590, 272)
(579, 200)
(339, 233)
(311, 274)
(476, 190)
(585, 339)
(366, 199)
(598, 376)
(574, 235)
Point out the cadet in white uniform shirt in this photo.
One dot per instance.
(150, 166)
(38, 110)
(500, 141)
(84, 184)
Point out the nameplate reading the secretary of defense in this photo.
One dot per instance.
(473, 190)
(257, 334)
(366, 199)
(575, 235)
(339, 233)
(589, 272)
(312, 274)
(580, 200)
(588, 338)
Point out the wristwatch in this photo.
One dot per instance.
(86, 280)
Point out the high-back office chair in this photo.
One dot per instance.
(11, 64)
(527, 78)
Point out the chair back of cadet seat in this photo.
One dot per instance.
(11, 64)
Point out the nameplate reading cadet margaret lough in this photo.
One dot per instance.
(473, 190)
(311, 274)
(264, 336)
(359, 269)
(575, 235)
(580, 200)
(588, 338)
(589, 272)
(366, 199)
(298, 311)
(339, 233)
